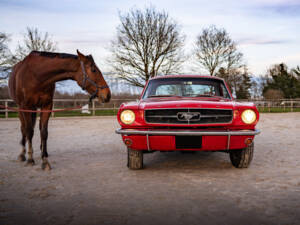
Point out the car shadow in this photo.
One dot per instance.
(187, 160)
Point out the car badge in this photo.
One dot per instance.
(188, 116)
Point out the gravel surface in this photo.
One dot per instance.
(90, 184)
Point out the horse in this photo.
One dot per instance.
(32, 85)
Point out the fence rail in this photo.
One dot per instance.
(111, 108)
(90, 108)
(275, 105)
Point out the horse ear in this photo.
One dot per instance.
(80, 55)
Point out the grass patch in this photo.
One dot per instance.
(10, 115)
(277, 110)
(107, 112)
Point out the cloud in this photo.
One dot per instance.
(58, 7)
(289, 8)
(88, 39)
(262, 41)
(84, 41)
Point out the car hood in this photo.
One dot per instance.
(156, 103)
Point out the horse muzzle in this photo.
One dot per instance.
(103, 98)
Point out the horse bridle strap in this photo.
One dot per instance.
(86, 78)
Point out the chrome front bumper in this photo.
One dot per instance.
(147, 133)
(186, 132)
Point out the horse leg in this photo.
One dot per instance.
(30, 119)
(44, 118)
(22, 157)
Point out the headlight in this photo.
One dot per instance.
(127, 117)
(248, 116)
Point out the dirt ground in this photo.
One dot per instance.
(90, 183)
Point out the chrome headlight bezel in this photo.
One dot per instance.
(127, 116)
(248, 116)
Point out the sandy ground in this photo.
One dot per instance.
(90, 183)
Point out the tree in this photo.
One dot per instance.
(296, 72)
(244, 86)
(258, 85)
(215, 49)
(5, 56)
(238, 81)
(273, 94)
(148, 43)
(284, 80)
(34, 40)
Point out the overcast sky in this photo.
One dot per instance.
(267, 31)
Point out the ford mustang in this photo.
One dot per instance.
(188, 113)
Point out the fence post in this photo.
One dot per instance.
(52, 113)
(93, 105)
(292, 106)
(6, 110)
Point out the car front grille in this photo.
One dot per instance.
(188, 116)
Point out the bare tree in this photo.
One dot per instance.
(34, 40)
(239, 81)
(215, 49)
(296, 72)
(258, 85)
(148, 43)
(273, 94)
(5, 56)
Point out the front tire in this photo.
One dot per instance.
(242, 158)
(135, 159)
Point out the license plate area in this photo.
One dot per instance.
(188, 142)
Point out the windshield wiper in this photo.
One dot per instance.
(205, 96)
(158, 96)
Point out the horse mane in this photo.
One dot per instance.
(54, 54)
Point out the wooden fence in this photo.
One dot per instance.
(275, 105)
(96, 108)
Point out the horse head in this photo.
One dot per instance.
(91, 79)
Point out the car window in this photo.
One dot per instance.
(186, 87)
(194, 90)
(224, 91)
(168, 90)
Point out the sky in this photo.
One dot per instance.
(266, 31)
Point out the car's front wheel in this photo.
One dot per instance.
(242, 158)
(135, 159)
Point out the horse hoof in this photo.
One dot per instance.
(30, 162)
(21, 158)
(46, 166)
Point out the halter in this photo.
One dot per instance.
(86, 78)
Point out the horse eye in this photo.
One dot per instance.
(93, 69)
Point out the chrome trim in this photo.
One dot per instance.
(186, 132)
(204, 116)
(188, 123)
(189, 108)
(148, 144)
(228, 141)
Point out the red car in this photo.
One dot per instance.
(188, 113)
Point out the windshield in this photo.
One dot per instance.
(186, 87)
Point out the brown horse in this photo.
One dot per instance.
(32, 85)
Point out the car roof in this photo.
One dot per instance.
(184, 76)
